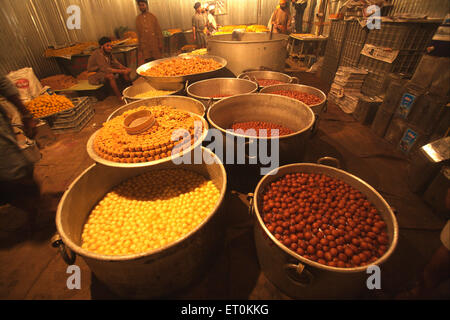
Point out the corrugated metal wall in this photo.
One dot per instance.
(431, 8)
(30, 26)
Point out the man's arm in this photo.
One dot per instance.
(8, 90)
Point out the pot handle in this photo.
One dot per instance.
(68, 255)
(315, 125)
(250, 200)
(325, 107)
(331, 159)
(209, 103)
(295, 80)
(298, 274)
(246, 198)
(247, 156)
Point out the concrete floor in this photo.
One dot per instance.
(32, 269)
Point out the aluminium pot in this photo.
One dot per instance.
(164, 83)
(299, 277)
(250, 51)
(142, 86)
(193, 106)
(254, 75)
(276, 109)
(316, 108)
(205, 89)
(157, 273)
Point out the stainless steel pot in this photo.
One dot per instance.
(250, 51)
(316, 108)
(203, 90)
(302, 278)
(142, 86)
(162, 83)
(271, 75)
(151, 274)
(281, 110)
(182, 103)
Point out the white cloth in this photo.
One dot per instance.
(212, 20)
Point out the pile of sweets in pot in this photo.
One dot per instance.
(113, 143)
(252, 128)
(268, 82)
(324, 220)
(182, 66)
(307, 98)
(149, 211)
(46, 105)
(153, 93)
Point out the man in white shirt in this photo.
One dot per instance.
(212, 24)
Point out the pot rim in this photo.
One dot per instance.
(224, 131)
(151, 64)
(299, 86)
(266, 71)
(132, 257)
(188, 90)
(137, 102)
(212, 39)
(311, 263)
(125, 93)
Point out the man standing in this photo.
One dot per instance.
(198, 26)
(17, 184)
(212, 24)
(105, 67)
(300, 6)
(149, 35)
(281, 18)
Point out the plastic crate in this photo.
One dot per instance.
(63, 121)
(78, 126)
(402, 35)
(79, 104)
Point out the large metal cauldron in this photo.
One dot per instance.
(316, 108)
(151, 274)
(163, 83)
(280, 110)
(204, 90)
(250, 51)
(302, 278)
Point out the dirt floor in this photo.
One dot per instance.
(32, 269)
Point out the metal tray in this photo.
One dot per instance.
(97, 158)
(72, 122)
(78, 127)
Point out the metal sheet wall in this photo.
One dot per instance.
(431, 8)
(30, 26)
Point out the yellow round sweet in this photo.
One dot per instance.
(148, 212)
